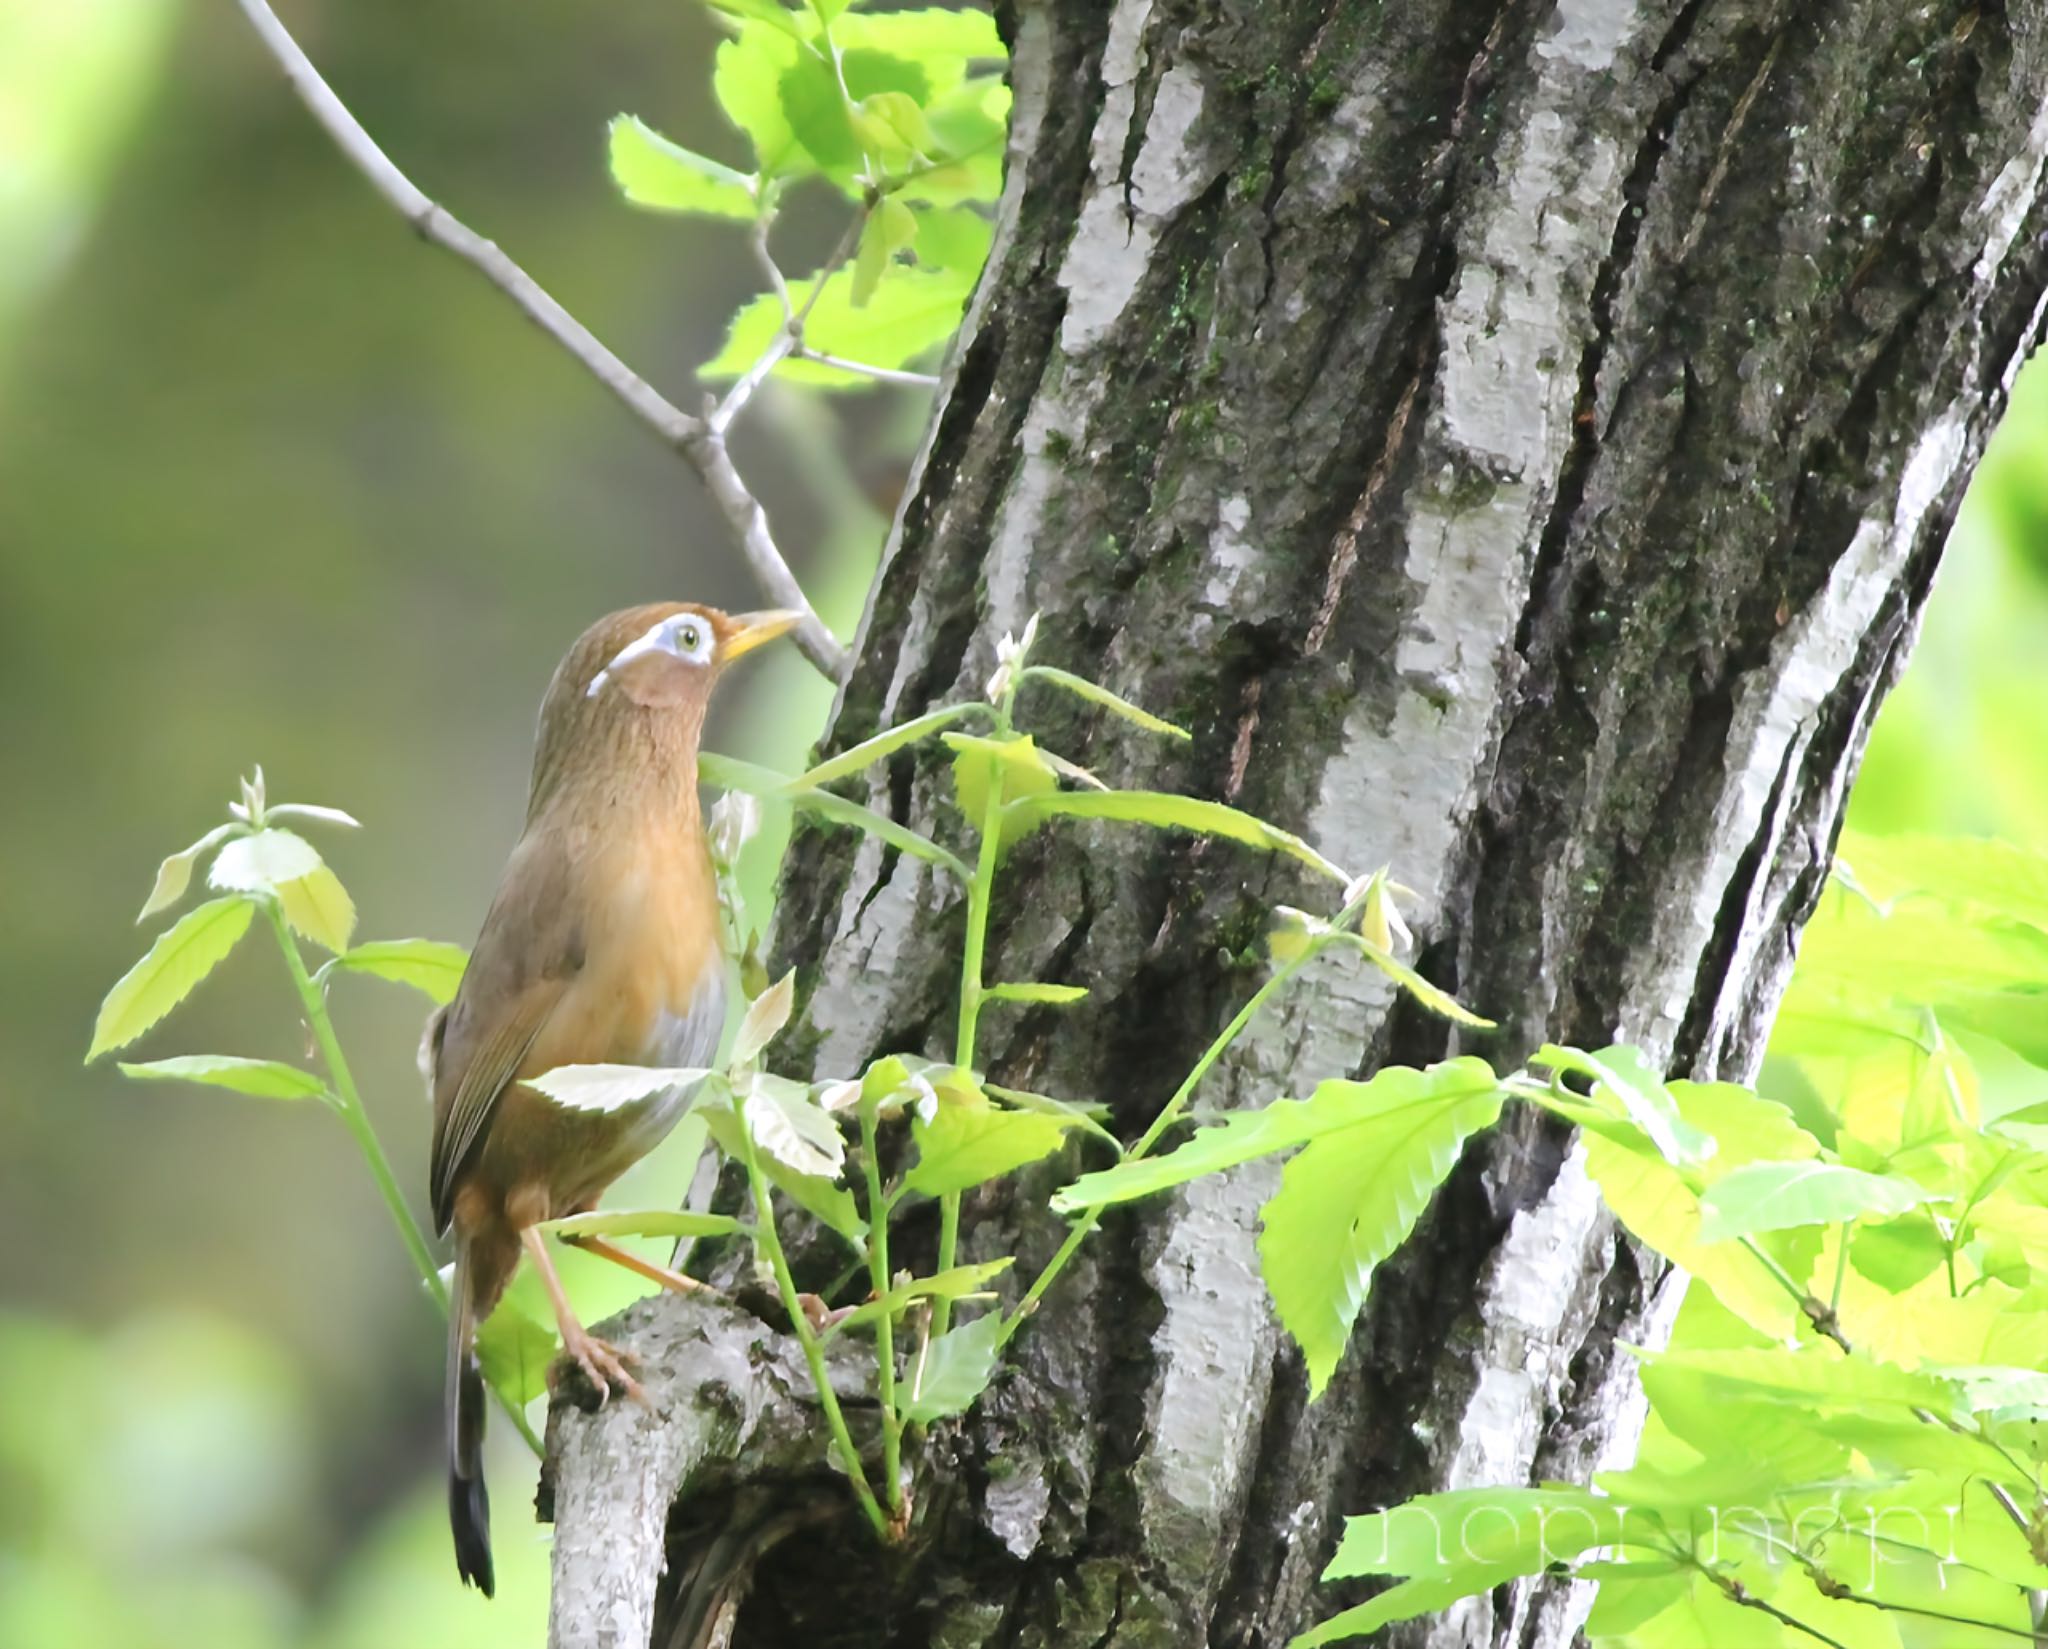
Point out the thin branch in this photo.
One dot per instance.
(701, 446)
(880, 374)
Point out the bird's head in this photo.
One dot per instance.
(642, 677)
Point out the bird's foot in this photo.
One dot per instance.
(603, 1365)
(821, 1316)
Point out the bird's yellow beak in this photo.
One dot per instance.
(750, 630)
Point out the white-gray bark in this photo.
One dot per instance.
(1518, 439)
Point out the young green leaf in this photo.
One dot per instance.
(665, 177)
(1090, 1117)
(1625, 1079)
(747, 79)
(955, 1369)
(1165, 811)
(964, 1145)
(910, 315)
(730, 774)
(1083, 688)
(657, 1222)
(429, 966)
(1430, 996)
(890, 227)
(1348, 1201)
(771, 12)
(608, 1087)
(1776, 1196)
(174, 875)
(313, 813)
(515, 1348)
(1010, 767)
(318, 908)
(183, 954)
(890, 739)
(1031, 992)
(764, 1019)
(1398, 1092)
(960, 1283)
(790, 1128)
(259, 1078)
(953, 238)
(830, 1204)
(262, 861)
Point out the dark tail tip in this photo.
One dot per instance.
(469, 1515)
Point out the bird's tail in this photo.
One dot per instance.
(469, 1503)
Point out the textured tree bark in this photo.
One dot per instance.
(1518, 438)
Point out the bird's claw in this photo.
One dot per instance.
(604, 1365)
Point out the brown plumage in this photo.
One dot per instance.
(602, 946)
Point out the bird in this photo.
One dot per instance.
(602, 945)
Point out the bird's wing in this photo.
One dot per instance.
(528, 954)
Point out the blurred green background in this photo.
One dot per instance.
(277, 484)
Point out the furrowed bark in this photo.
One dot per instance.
(1519, 441)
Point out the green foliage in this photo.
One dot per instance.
(259, 1078)
(179, 960)
(430, 966)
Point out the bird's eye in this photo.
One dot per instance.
(692, 637)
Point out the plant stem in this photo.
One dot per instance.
(1169, 1114)
(885, 1330)
(770, 1242)
(349, 1107)
(972, 953)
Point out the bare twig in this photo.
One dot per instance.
(788, 343)
(700, 445)
(880, 374)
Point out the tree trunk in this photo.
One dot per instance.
(1518, 439)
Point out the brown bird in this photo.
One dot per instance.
(602, 946)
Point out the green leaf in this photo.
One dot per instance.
(964, 1145)
(263, 861)
(1035, 993)
(1524, 1530)
(1335, 1106)
(1974, 875)
(656, 1222)
(429, 966)
(183, 954)
(789, 1127)
(890, 739)
(174, 875)
(259, 1078)
(815, 106)
(954, 1371)
(1165, 811)
(1083, 688)
(1776, 1196)
(1432, 997)
(911, 315)
(1007, 768)
(961, 1282)
(318, 908)
(1349, 1200)
(600, 1087)
(663, 176)
(936, 38)
(1810, 1377)
(764, 1019)
(747, 79)
(313, 813)
(514, 1348)
(1089, 1117)
(1625, 1079)
(729, 774)
(970, 125)
(953, 238)
(890, 227)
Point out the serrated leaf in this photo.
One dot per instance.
(1777, 1196)
(831, 1205)
(1432, 997)
(662, 176)
(1090, 1117)
(814, 105)
(318, 908)
(1348, 1201)
(1007, 768)
(1165, 811)
(1523, 1529)
(937, 38)
(764, 1019)
(262, 861)
(1399, 1091)
(602, 1087)
(889, 740)
(730, 774)
(747, 79)
(1096, 694)
(429, 966)
(259, 1078)
(183, 954)
(914, 312)
(961, 1282)
(890, 227)
(1030, 992)
(174, 875)
(785, 1123)
(956, 1368)
(953, 238)
(1624, 1078)
(761, 11)
(657, 1222)
(964, 1145)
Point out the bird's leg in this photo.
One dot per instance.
(605, 1365)
(643, 1268)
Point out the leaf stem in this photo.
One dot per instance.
(349, 1107)
(770, 1244)
(885, 1328)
